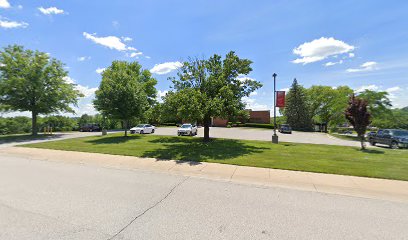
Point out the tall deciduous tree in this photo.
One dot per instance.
(378, 103)
(207, 88)
(126, 92)
(358, 116)
(32, 81)
(297, 110)
(327, 104)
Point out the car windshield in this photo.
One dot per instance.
(400, 133)
(140, 126)
(186, 126)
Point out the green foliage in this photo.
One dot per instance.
(32, 81)
(297, 110)
(378, 103)
(126, 92)
(15, 125)
(208, 88)
(327, 104)
(58, 123)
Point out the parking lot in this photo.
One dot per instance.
(264, 135)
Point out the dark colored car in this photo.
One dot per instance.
(394, 138)
(90, 127)
(285, 128)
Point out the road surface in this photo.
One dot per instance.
(265, 135)
(57, 200)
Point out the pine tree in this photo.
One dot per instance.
(297, 110)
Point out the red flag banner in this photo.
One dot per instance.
(280, 99)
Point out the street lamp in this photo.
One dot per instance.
(274, 136)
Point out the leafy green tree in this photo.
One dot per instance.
(126, 92)
(327, 104)
(207, 88)
(297, 110)
(358, 116)
(378, 103)
(32, 81)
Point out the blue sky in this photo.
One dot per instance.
(363, 44)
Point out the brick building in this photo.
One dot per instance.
(254, 117)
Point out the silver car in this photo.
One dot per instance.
(187, 129)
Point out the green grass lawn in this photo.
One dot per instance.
(23, 137)
(379, 162)
(345, 137)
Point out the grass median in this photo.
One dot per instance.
(378, 162)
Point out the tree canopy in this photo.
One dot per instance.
(213, 87)
(32, 81)
(297, 109)
(126, 92)
(358, 116)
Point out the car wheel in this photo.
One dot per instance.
(394, 145)
(141, 132)
(152, 130)
(372, 143)
(178, 134)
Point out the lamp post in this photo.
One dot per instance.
(275, 138)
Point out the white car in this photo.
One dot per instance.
(187, 129)
(142, 129)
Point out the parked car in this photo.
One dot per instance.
(285, 128)
(395, 138)
(187, 129)
(142, 129)
(90, 127)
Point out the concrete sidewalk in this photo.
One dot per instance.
(324, 183)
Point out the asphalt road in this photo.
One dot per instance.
(54, 200)
(265, 135)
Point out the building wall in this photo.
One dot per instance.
(260, 117)
(219, 122)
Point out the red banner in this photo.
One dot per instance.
(280, 99)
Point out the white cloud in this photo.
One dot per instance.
(111, 42)
(100, 70)
(253, 94)
(161, 94)
(393, 89)
(11, 24)
(4, 4)
(253, 104)
(371, 87)
(148, 57)
(328, 64)
(87, 91)
(351, 55)
(320, 49)
(114, 42)
(127, 39)
(84, 58)
(365, 67)
(164, 68)
(135, 54)
(285, 89)
(243, 78)
(51, 10)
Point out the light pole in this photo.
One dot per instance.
(274, 136)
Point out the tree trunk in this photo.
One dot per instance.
(207, 123)
(362, 141)
(34, 130)
(125, 123)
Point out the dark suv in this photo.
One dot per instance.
(90, 127)
(395, 138)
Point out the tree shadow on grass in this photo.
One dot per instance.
(27, 138)
(371, 151)
(113, 139)
(194, 149)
